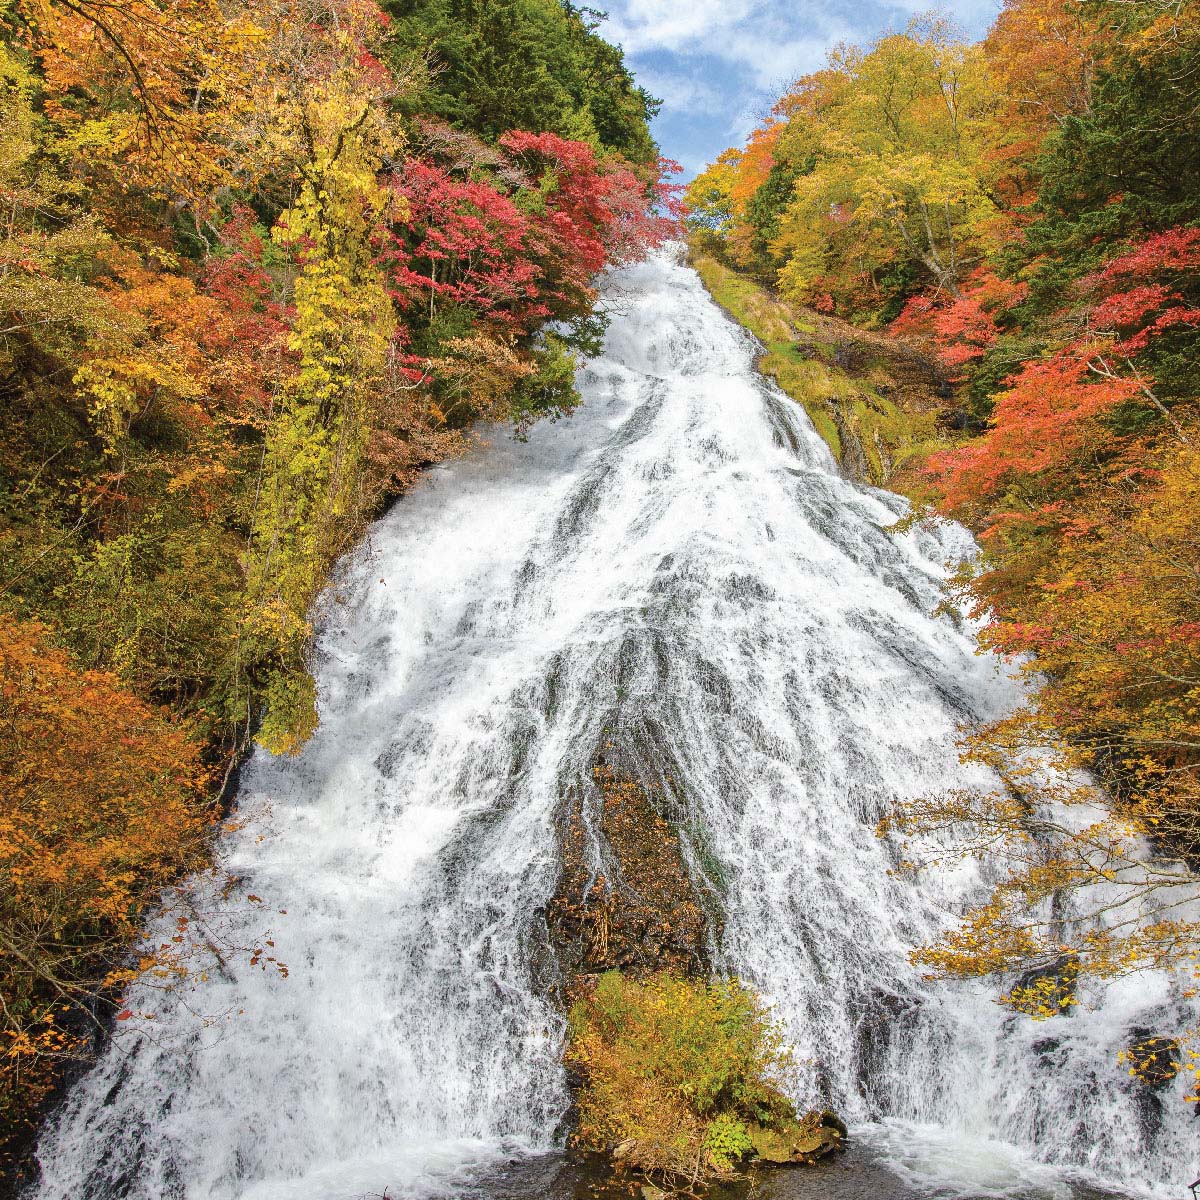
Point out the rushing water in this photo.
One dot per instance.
(678, 569)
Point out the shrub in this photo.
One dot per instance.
(675, 1071)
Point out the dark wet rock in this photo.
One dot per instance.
(638, 911)
(1154, 1060)
(835, 1123)
(880, 1017)
(1047, 1051)
(1047, 990)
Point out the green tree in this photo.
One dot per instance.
(1129, 164)
(898, 137)
(536, 65)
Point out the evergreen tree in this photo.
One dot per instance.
(537, 65)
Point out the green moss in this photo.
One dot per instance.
(748, 304)
(809, 385)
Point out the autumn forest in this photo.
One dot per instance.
(264, 266)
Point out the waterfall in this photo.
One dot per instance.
(680, 569)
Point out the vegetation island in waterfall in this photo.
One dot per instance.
(264, 264)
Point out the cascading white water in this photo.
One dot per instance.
(679, 569)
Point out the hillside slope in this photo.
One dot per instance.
(879, 402)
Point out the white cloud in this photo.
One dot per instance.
(645, 25)
(719, 65)
(684, 91)
(771, 40)
(774, 61)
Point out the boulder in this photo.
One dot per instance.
(771, 1145)
(806, 1140)
(1153, 1060)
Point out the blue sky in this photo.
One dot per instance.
(719, 65)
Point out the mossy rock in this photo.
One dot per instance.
(771, 1145)
(806, 1140)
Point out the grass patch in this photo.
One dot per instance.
(748, 304)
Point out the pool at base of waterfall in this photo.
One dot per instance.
(898, 1160)
(893, 1161)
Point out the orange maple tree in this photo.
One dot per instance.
(102, 805)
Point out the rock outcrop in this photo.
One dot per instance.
(624, 900)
